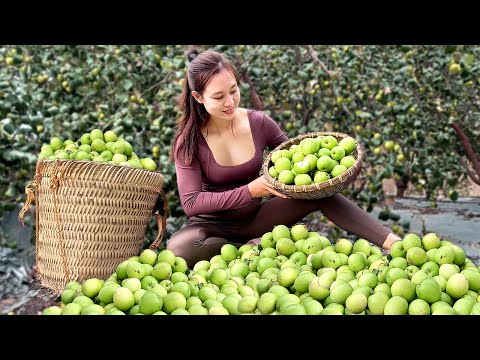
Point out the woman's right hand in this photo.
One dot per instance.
(391, 238)
(260, 188)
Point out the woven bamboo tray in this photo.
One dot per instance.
(90, 216)
(318, 190)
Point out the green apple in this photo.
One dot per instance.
(337, 153)
(128, 148)
(267, 240)
(309, 146)
(344, 246)
(302, 179)
(411, 240)
(457, 286)
(98, 145)
(273, 173)
(92, 309)
(285, 246)
(325, 163)
(430, 241)
(56, 143)
(283, 164)
(110, 136)
(298, 156)
(148, 164)
(299, 231)
(348, 161)
(348, 144)
(320, 176)
(312, 245)
(301, 167)
(286, 177)
(312, 162)
(118, 147)
(444, 255)
(416, 256)
(331, 259)
(96, 134)
(119, 158)
(286, 154)
(323, 151)
(328, 142)
(389, 145)
(148, 256)
(91, 287)
(338, 170)
(275, 156)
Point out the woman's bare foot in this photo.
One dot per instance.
(254, 242)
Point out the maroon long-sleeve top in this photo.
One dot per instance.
(210, 190)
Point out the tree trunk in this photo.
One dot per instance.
(253, 93)
(475, 174)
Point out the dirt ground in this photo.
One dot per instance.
(471, 189)
(467, 188)
(36, 300)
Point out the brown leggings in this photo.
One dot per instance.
(202, 240)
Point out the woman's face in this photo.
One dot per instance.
(221, 96)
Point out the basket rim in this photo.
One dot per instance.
(95, 163)
(316, 187)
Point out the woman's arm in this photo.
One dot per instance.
(274, 135)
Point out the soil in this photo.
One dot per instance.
(37, 299)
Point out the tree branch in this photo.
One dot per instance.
(253, 93)
(315, 58)
(167, 77)
(470, 154)
(470, 172)
(244, 74)
(306, 115)
(240, 63)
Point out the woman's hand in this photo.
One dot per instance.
(391, 238)
(260, 188)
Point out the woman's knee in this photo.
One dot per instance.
(175, 246)
(184, 250)
(181, 246)
(183, 242)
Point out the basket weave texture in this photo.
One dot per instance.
(90, 216)
(316, 190)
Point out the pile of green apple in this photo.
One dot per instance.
(96, 146)
(313, 160)
(292, 271)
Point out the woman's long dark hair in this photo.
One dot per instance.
(199, 71)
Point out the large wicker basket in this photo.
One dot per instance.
(90, 216)
(317, 190)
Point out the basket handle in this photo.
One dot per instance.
(160, 206)
(31, 190)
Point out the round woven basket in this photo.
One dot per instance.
(90, 216)
(317, 190)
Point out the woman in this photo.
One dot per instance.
(218, 153)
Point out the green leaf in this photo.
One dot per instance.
(127, 84)
(19, 155)
(468, 59)
(364, 115)
(121, 97)
(293, 82)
